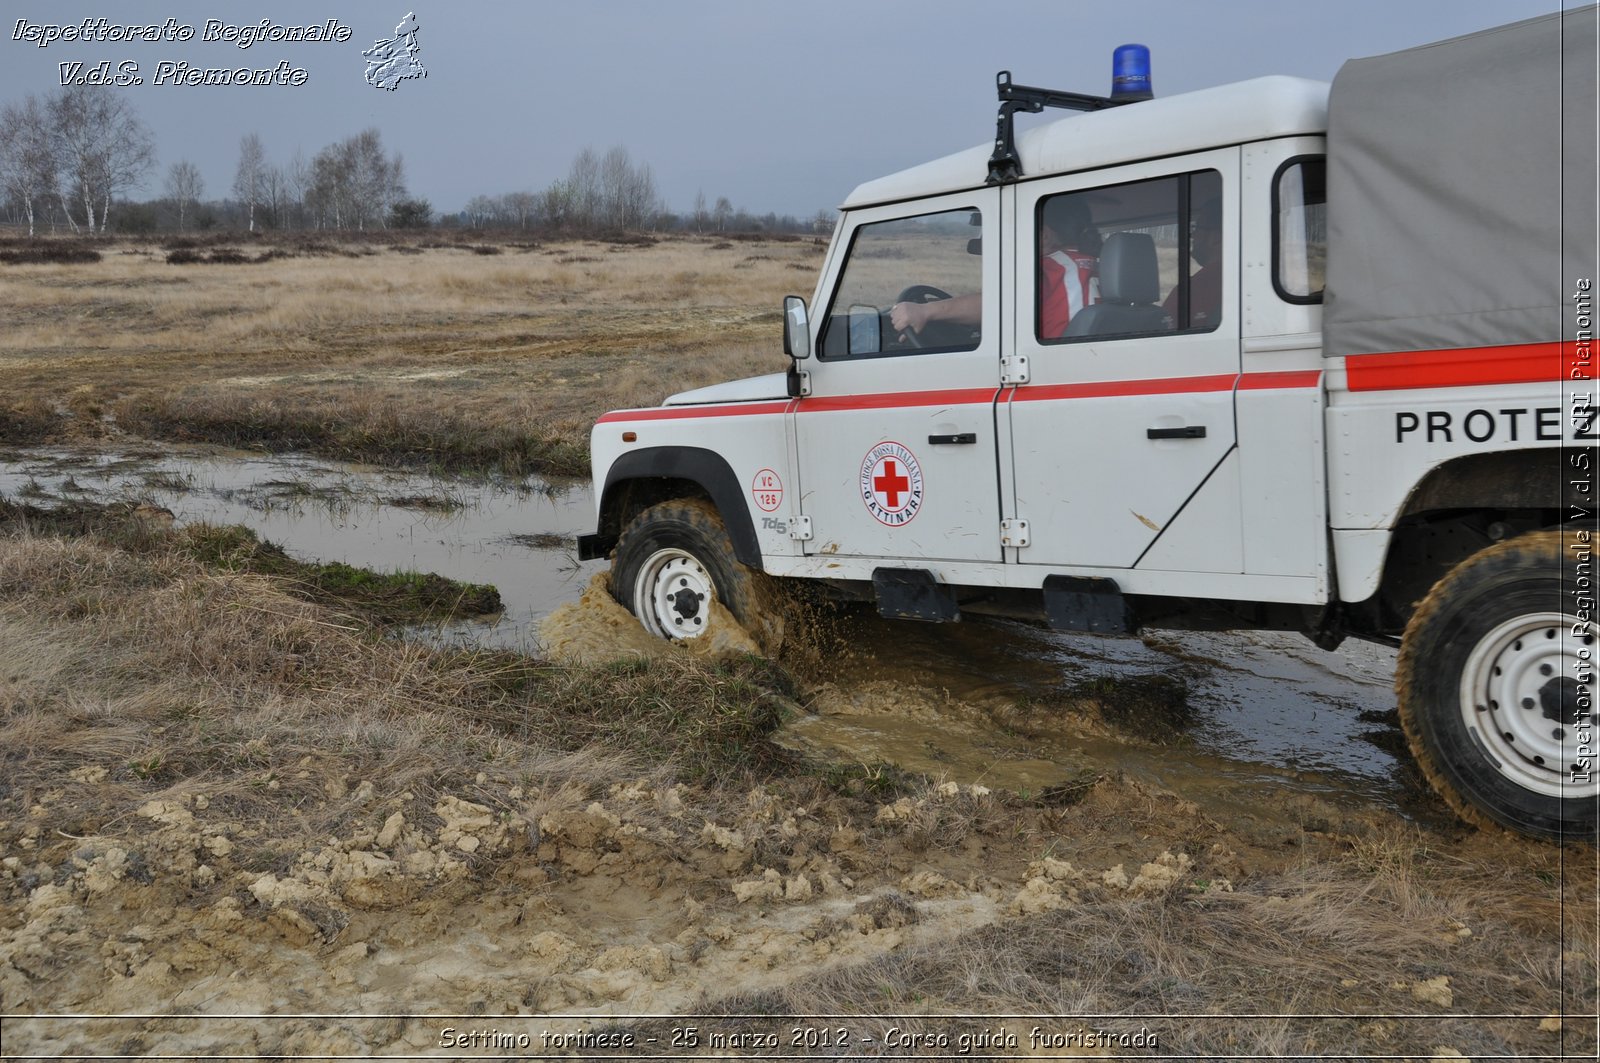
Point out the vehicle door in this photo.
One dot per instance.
(897, 443)
(1125, 421)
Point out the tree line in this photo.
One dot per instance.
(68, 159)
(350, 184)
(612, 193)
(75, 152)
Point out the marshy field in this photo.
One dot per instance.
(249, 808)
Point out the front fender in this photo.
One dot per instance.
(653, 474)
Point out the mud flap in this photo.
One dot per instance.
(1088, 603)
(595, 547)
(913, 594)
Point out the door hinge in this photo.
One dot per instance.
(1013, 533)
(800, 529)
(1014, 370)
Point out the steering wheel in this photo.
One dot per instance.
(919, 293)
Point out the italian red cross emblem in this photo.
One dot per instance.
(891, 484)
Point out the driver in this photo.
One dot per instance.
(1069, 245)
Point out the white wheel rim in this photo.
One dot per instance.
(673, 594)
(1518, 692)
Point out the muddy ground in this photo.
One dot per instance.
(246, 811)
(308, 837)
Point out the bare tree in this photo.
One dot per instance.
(479, 211)
(555, 205)
(298, 177)
(583, 182)
(353, 183)
(101, 148)
(249, 180)
(520, 207)
(615, 171)
(275, 187)
(27, 155)
(701, 216)
(184, 187)
(639, 196)
(721, 214)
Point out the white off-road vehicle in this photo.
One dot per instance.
(1308, 358)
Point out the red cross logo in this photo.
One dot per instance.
(891, 484)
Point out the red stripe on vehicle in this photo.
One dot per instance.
(1101, 389)
(899, 400)
(668, 413)
(1519, 363)
(1294, 378)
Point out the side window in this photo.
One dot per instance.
(1130, 259)
(908, 285)
(1300, 229)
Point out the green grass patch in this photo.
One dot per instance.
(385, 597)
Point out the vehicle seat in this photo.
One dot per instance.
(1130, 284)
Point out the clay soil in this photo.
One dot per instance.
(238, 820)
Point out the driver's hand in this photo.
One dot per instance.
(909, 316)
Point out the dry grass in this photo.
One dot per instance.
(124, 651)
(437, 354)
(181, 669)
(178, 678)
(1315, 961)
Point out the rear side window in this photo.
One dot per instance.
(1300, 229)
(1130, 259)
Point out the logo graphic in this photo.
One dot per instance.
(392, 61)
(891, 484)
(767, 490)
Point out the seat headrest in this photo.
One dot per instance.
(1128, 271)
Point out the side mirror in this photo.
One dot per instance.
(796, 328)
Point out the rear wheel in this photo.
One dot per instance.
(1496, 688)
(673, 562)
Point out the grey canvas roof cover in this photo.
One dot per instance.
(1461, 189)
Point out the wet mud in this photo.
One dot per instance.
(965, 791)
(1236, 716)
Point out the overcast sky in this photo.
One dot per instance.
(779, 106)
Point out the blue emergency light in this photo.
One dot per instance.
(1130, 73)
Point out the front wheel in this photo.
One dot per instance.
(1496, 687)
(674, 562)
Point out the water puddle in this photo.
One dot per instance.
(516, 535)
(1242, 717)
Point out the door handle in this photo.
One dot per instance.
(1188, 431)
(958, 437)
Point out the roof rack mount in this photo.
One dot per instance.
(1005, 165)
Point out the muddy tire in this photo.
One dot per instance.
(673, 561)
(1496, 688)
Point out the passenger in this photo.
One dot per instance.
(1205, 285)
(1069, 264)
(1069, 245)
